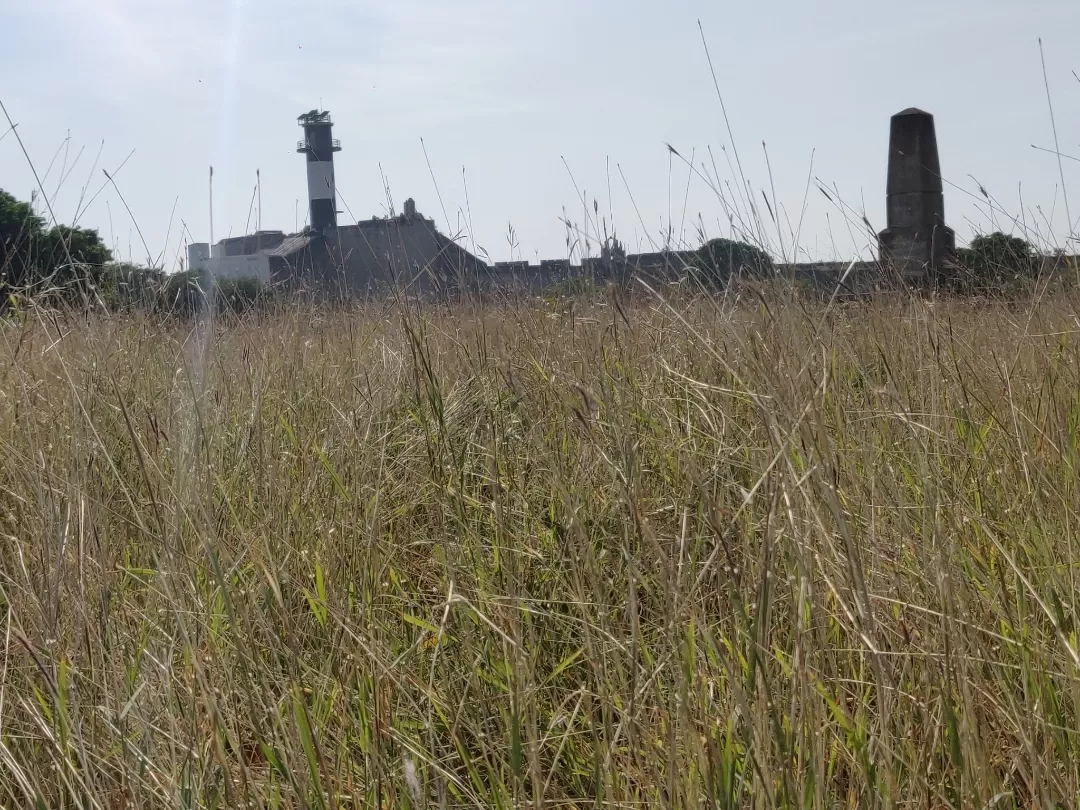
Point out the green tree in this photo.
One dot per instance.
(21, 230)
(995, 261)
(718, 259)
(52, 261)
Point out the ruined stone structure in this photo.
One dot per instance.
(407, 251)
(917, 241)
(404, 252)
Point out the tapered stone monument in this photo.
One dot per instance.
(917, 241)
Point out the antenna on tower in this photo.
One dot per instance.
(258, 215)
(211, 205)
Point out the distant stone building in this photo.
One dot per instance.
(404, 252)
(407, 252)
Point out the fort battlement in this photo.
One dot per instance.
(916, 246)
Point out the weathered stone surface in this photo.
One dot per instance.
(917, 240)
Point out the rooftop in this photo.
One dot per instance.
(314, 117)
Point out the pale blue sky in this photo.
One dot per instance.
(508, 89)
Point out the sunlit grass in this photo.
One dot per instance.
(757, 554)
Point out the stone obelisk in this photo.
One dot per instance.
(917, 241)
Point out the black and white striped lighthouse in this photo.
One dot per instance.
(319, 147)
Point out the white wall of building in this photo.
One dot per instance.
(254, 266)
(198, 254)
(213, 259)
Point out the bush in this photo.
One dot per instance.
(719, 259)
(996, 262)
(185, 294)
(238, 295)
(125, 286)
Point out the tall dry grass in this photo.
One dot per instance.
(756, 553)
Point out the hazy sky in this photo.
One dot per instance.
(502, 92)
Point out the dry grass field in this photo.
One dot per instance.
(748, 553)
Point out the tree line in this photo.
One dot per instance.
(66, 265)
(991, 264)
